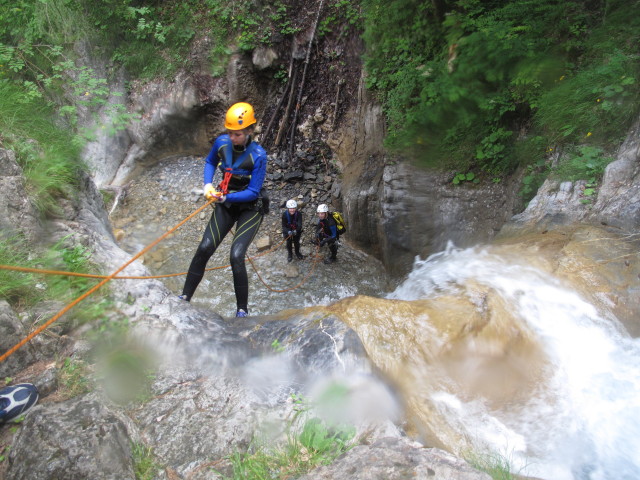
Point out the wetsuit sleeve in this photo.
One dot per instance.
(252, 191)
(299, 222)
(334, 232)
(211, 162)
(326, 230)
(285, 224)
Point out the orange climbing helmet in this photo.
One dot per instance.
(239, 116)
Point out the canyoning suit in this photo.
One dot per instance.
(245, 206)
(292, 231)
(327, 234)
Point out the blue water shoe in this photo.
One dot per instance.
(15, 400)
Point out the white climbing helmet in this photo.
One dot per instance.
(322, 208)
(292, 204)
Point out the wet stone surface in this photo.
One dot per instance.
(166, 193)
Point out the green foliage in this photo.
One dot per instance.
(585, 162)
(534, 177)
(26, 289)
(493, 150)
(69, 258)
(588, 192)
(34, 32)
(459, 89)
(277, 347)
(23, 290)
(465, 177)
(279, 17)
(150, 39)
(316, 444)
(311, 442)
(497, 466)
(16, 287)
(281, 75)
(73, 378)
(340, 13)
(237, 25)
(596, 102)
(145, 465)
(48, 154)
(241, 23)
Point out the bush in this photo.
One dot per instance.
(49, 155)
(462, 88)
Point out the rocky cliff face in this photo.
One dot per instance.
(617, 203)
(17, 215)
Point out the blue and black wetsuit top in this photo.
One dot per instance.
(291, 222)
(248, 168)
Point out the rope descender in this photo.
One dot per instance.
(224, 184)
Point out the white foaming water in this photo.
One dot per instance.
(586, 426)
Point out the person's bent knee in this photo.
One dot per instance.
(205, 249)
(237, 255)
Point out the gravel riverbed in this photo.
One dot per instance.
(164, 194)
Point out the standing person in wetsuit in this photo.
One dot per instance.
(327, 232)
(238, 201)
(292, 229)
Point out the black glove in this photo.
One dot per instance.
(295, 232)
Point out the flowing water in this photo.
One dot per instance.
(579, 415)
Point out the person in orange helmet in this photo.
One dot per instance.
(240, 201)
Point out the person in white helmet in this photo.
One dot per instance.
(292, 229)
(327, 232)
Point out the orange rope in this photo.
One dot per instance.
(96, 287)
(119, 277)
(107, 278)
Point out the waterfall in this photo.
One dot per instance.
(582, 420)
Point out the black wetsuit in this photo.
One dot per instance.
(327, 234)
(293, 224)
